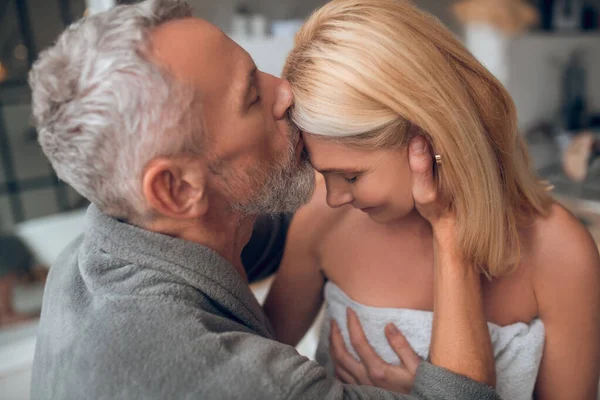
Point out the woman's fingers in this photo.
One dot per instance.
(402, 348)
(421, 164)
(369, 357)
(344, 376)
(346, 365)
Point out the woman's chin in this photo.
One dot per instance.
(381, 215)
(378, 215)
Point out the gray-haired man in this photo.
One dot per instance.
(166, 126)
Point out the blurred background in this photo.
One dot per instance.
(546, 52)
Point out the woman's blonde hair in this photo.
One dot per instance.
(371, 73)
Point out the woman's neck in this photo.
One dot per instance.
(413, 222)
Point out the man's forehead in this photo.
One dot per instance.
(196, 51)
(186, 34)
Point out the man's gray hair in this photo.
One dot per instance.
(103, 109)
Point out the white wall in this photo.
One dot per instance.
(219, 12)
(536, 63)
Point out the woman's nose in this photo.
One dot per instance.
(338, 198)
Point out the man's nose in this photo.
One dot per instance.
(284, 99)
(336, 199)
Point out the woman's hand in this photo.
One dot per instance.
(371, 369)
(433, 207)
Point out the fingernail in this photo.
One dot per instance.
(418, 145)
(392, 330)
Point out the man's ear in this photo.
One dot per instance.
(176, 187)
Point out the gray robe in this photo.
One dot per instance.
(131, 314)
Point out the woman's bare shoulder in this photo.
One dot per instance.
(562, 247)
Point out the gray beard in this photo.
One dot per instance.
(287, 187)
(284, 192)
(275, 186)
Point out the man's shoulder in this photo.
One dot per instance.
(63, 270)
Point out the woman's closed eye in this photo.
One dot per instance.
(351, 180)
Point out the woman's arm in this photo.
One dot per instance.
(460, 339)
(297, 292)
(567, 288)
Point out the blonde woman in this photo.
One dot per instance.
(369, 76)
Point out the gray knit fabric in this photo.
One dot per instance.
(131, 314)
